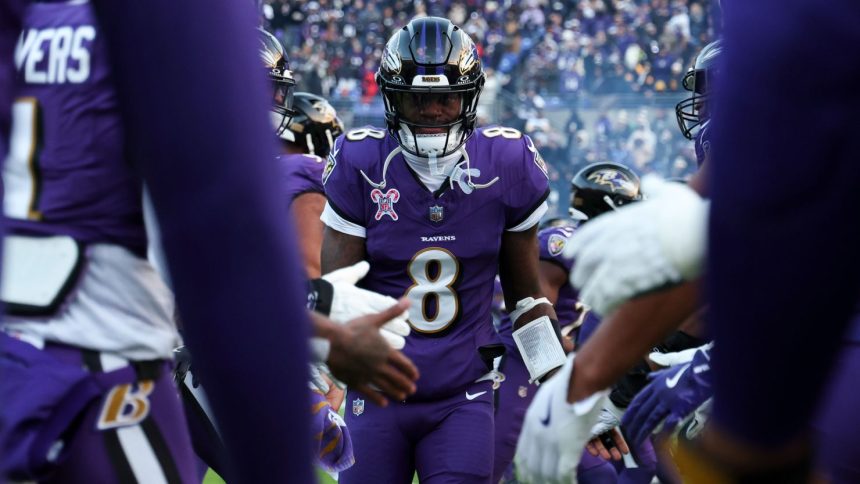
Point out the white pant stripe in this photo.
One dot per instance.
(136, 447)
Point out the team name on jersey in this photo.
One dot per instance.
(439, 238)
(55, 55)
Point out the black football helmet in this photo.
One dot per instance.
(427, 63)
(314, 126)
(601, 187)
(699, 80)
(277, 66)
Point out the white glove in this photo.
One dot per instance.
(677, 357)
(641, 246)
(609, 418)
(349, 302)
(555, 432)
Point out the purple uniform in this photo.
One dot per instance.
(702, 144)
(442, 251)
(231, 156)
(516, 392)
(66, 173)
(745, 259)
(94, 399)
(302, 174)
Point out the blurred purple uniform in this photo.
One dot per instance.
(442, 250)
(302, 174)
(764, 395)
(65, 416)
(231, 156)
(515, 393)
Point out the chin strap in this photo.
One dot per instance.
(458, 173)
(381, 185)
(463, 177)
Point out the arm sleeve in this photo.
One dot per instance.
(526, 196)
(783, 244)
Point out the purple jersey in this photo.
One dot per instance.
(440, 249)
(302, 174)
(552, 241)
(703, 144)
(66, 172)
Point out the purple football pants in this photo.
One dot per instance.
(132, 432)
(512, 400)
(446, 441)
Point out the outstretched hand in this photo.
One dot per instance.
(361, 357)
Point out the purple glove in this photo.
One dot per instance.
(673, 394)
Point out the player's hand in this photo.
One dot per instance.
(555, 432)
(361, 357)
(335, 394)
(673, 394)
(608, 445)
(676, 357)
(607, 442)
(641, 246)
(349, 302)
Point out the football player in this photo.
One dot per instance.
(302, 172)
(693, 113)
(596, 189)
(438, 206)
(88, 334)
(306, 143)
(605, 286)
(94, 333)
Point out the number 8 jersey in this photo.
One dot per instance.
(441, 249)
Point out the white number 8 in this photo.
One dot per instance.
(361, 133)
(507, 133)
(437, 286)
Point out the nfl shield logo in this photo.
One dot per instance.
(436, 213)
(357, 407)
(522, 391)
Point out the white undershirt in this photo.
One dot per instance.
(423, 167)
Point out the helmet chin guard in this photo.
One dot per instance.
(431, 145)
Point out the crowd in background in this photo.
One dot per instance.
(546, 61)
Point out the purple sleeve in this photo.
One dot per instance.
(551, 242)
(525, 175)
(784, 271)
(195, 114)
(343, 183)
(302, 174)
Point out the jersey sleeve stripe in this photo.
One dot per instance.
(540, 203)
(332, 219)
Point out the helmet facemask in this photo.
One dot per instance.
(431, 123)
(282, 111)
(692, 112)
(431, 79)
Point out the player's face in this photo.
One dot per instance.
(283, 94)
(430, 109)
